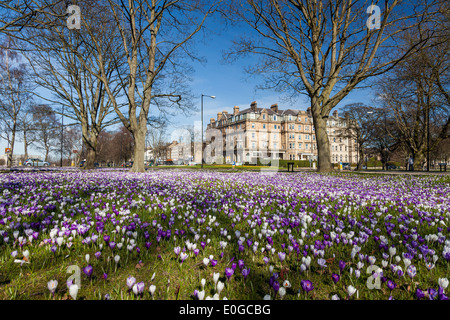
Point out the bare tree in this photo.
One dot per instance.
(360, 128)
(45, 133)
(17, 15)
(324, 49)
(416, 93)
(63, 61)
(155, 36)
(14, 92)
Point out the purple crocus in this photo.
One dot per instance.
(245, 272)
(306, 285)
(88, 270)
(241, 264)
(341, 265)
(432, 293)
(98, 254)
(276, 286)
(335, 277)
(229, 272)
(106, 238)
(282, 256)
(391, 285)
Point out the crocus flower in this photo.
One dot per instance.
(88, 270)
(229, 272)
(73, 291)
(351, 290)
(152, 289)
(245, 272)
(52, 284)
(335, 277)
(443, 282)
(306, 285)
(391, 285)
(420, 294)
(411, 271)
(130, 282)
(220, 286)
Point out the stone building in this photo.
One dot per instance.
(272, 133)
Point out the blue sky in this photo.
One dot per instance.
(229, 83)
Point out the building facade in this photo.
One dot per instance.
(271, 133)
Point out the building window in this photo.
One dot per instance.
(299, 127)
(299, 137)
(264, 117)
(274, 118)
(274, 136)
(253, 126)
(299, 145)
(253, 145)
(274, 126)
(340, 148)
(307, 137)
(306, 146)
(264, 125)
(253, 135)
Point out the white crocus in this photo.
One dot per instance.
(443, 282)
(73, 291)
(220, 286)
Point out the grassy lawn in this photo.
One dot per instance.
(266, 225)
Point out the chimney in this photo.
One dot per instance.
(235, 110)
(253, 106)
(335, 113)
(219, 116)
(274, 108)
(308, 111)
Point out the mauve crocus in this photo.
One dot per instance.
(107, 297)
(306, 285)
(432, 293)
(275, 286)
(282, 256)
(420, 294)
(213, 262)
(391, 285)
(97, 254)
(245, 272)
(241, 264)
(88, 270)
(229, 272)
(105, 276)
(106, 238)
(341, 265)
(335, 277)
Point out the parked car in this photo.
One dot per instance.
(36, 163)
(391, 167)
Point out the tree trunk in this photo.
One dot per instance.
(139, 150)
(13, 139)
(323, 144)
(25, 144)
(91, 147)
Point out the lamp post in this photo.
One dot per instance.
(212, 97)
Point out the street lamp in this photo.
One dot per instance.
(212, 97)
